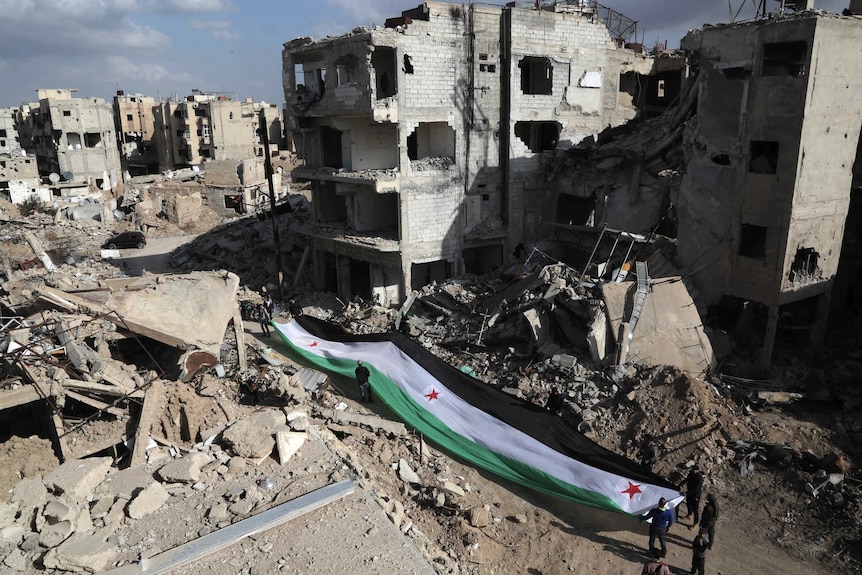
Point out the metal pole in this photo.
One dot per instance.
(264, 134)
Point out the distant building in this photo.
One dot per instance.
(211, 127)
(72, 137)
(9, 138)
(425, 141)
(135, 125)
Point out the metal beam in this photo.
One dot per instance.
(218, 540)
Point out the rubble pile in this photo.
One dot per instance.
(246, 246)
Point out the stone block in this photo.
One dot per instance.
(126, 483)
(79, 477)
(183, 470)
(81, 553)
(149, 500)
(8, 513)
(52, 534)
(30, 492)
(253, 436)
(288, 442)
(12, 534)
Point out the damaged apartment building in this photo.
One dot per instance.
(424, 140)
(770, 178)
(73, 138)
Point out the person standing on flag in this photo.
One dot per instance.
(662, 519)
(362, 376)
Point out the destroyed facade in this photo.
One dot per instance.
(73, 138)
(769, 181)
(423, 141)
(133, 115)
(212, 127)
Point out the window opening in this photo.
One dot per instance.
(763, 157)
(537, 75)
(752, 241)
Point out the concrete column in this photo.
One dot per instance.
(817, 335)
(769, 338)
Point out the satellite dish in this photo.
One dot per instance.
(68, 176)
(54, 177)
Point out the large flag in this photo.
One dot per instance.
(510, 437)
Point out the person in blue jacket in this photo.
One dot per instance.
(662, 518)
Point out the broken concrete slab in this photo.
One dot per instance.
(669, 330)
(185, 469)
(30, 492)
(149, 500)
(253, 436)
(82, 553)
(126, 482)
(406, 473)
(53, 534)
(288, 443)
(79, 477)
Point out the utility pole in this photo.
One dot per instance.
(264, 135)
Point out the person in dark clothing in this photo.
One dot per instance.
(269, 304)
(362, 376)
(649, 451)
(693, 490)
(709, 518)
(293, 307)
(264, 319)
(404, 325)
(699, 547)
(555, 401)
(662, 519)
(656, 566)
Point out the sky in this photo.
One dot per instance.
(167, 47)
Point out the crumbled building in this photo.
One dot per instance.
(769, 183)
(212, 127)
(133, 115)
(423, 141)
(73, 138)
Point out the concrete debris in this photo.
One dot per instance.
(79, 479)
(288, 443)
(254, 436)
(406, 473)
(149, 500)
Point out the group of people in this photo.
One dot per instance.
(662, 518)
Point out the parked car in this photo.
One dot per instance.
(126, 240)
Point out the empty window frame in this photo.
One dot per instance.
(784, 59)
(383, 62)
(431, 140)
(538, 136)
(2, 133)
(804, 264)
(67, 113)
(763, 157)
(345, 71)
(752, 241)
(537, 75)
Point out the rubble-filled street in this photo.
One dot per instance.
(186, 433)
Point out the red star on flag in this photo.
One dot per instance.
(313, 344)
(433, 395)
(632, 490)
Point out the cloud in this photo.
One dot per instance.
(218, 28)
(202, 5)
(120, 68)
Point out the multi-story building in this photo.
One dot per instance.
(763, 205)
(423, 141)
(212, 127)
(72, 137)
(135, 125)
(9, 138)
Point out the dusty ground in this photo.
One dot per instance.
(770, 522)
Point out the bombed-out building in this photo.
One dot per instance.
(207, 126)
(73, 138)
(769, 183)
(423, 140)
(135, 124)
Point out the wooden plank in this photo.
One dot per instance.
(223, 538)
(152, 404)
(115, 411)
(79, 385)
